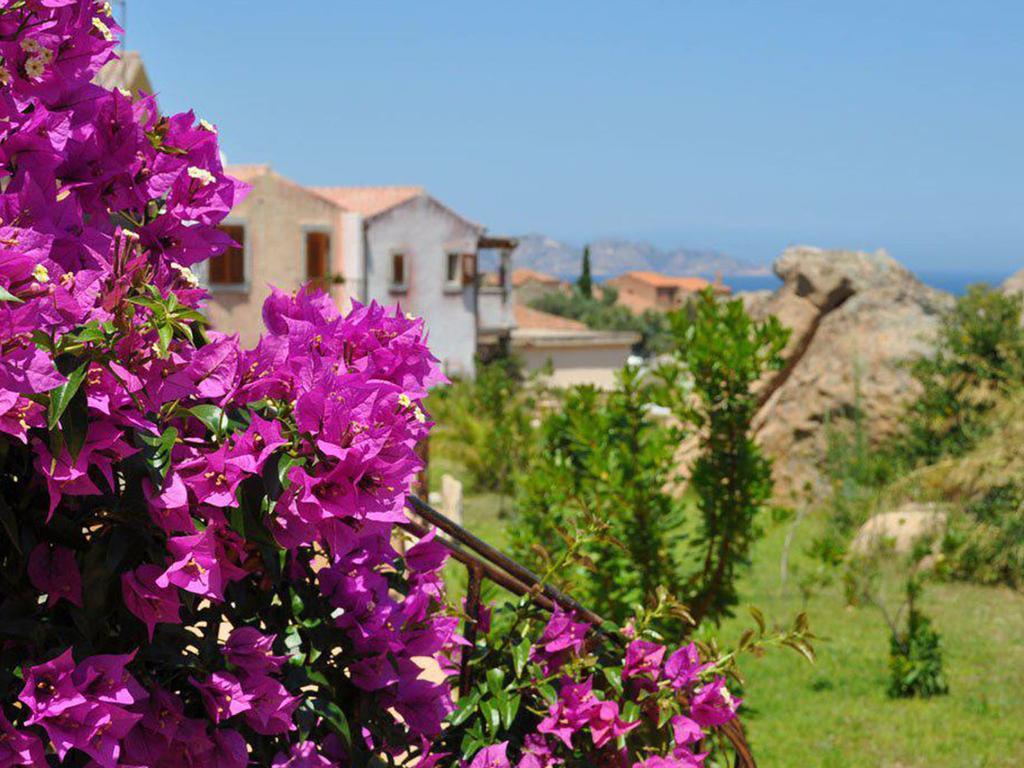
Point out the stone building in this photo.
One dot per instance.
(641, 291)
(401, 245)
(286, 235)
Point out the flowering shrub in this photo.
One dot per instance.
(556, 693)
(196, 542)
(196, 539)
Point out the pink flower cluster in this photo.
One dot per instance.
(583, 720)
(237, 479)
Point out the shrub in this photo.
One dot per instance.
(721, 353)
(980, 355)
(985, 543)
(195, 543)
(614, 698)
(915, 658)
(487, 424)
(606, 464)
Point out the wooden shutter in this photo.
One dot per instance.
(318, 259)
(229, 267)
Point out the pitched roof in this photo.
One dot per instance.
(526, 275)
(659, 280)
(534, 319)
(247, 172)
(369, 201)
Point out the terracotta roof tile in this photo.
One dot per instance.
(248, 172)
(525, 275)
(369, 201)
(667, 281)
(528, 318)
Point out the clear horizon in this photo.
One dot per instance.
(740, 128)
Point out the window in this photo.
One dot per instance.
(229, 267)
(318, 259)
(398, 270)
(453, 270)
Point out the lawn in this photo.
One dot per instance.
(836, 712)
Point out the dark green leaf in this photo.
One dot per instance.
(60, 397)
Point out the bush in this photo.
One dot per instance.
(195, 549)
(979, 357)
(487, 424)
(915, 657)
(721, 353)
(985, 543)
(606, 464)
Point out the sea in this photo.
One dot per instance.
(951, 282)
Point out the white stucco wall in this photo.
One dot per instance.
(573, 364)
(425, 232)
(351, 266)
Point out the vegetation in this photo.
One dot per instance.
(603, 314)
(585, 284)
(979, 359)
(720, 354)
(606, 464)
(836, 713)
(485, 423)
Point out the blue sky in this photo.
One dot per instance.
(743, 126)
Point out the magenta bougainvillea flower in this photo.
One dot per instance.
(253, 651)
(48, 690)
(19, 747)
(151, 603)
(53, 570)
(713, 704)
(223, 695)
(494, 756)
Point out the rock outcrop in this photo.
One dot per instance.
(856, 319)
(1014, 283)
(901, 530)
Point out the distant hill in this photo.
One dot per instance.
(611, 257)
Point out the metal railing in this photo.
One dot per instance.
(484, 561)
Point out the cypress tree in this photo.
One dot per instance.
(585, 284)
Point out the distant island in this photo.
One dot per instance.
(611, 257)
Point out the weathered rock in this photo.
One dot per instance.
(856, 319)
(1014, 283)
(900, 529)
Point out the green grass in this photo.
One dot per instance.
(835, 713)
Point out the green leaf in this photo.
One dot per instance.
(492, 716)
(60, 397)
(510, 710)
(333, 714)
(211, 415)
(74, 423)
(521, 655)
(758, 617)
(467, 706)
(6, 295)
(166, 333)
(496, 680)
(548, 692)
